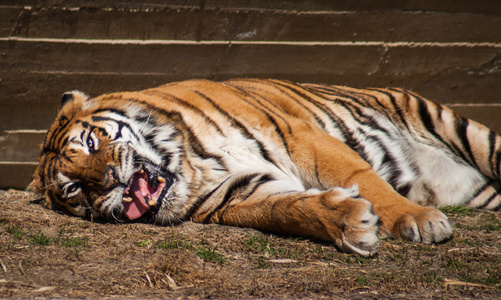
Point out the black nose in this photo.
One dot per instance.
(111, 179)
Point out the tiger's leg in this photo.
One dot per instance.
(336, 215)
(464, 140)
(337, 165)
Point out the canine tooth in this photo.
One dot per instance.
(152, 202)
(141, 171)
(161, 179)
(127, 199)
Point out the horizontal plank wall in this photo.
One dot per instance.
(448, 51)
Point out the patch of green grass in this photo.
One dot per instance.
(426, 262)
(172, 243)
(489, 222)
(143, 243)
(15, 232)
(66, 238)
(74, 242)
(361, 260)
(318, 249)
(397, 256)
(485, 276)
(461, 211)
(211, 255)
(454, 264)
(492, 279)
(467, 242)
(262, 262)
(41, 239)
(427, 277)
(258, 244)
(203, 251)
(263, 245)
(363, 280)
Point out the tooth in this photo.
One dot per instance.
(127, 199)
(161, 179)
(141, 171)
(152, 202)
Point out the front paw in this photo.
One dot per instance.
(430, 226)
(360, 228)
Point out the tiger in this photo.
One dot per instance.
(344, 165)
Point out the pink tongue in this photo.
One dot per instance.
(138, 191)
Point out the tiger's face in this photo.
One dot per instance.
(98, 160)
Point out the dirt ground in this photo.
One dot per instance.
(44, 254)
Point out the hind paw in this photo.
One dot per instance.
(430, 226)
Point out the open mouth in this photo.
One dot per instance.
(145, 192)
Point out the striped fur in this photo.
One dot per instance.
(330, 162)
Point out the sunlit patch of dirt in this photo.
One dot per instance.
(45, 254)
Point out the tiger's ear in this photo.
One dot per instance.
(72, 96)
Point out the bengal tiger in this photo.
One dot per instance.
(329, 162)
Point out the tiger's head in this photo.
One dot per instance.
(102, 157)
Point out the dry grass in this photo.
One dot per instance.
(44, 254)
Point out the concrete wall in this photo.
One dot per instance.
(448, 51)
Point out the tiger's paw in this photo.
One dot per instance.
(359, 227)
(430, 226)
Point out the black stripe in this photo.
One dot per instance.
(192, 141)
(56, 138)
(121, 125)
(46, 164)
(51, 170)
(266, 111)
(479, 191)
(430, 126)
(177, 119)
(237, 187)
(234, 122)
(396, 105)
(461, 125)
(295, 90)
(355, 112)
(113, 110)
(488, 201)
(404, 189)
(50, 145)
(200, 201)
(498, 160)
(492, 150)
(426, 118)
(189, 106)
(496, 185)
(338, 122)
(339, 92)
